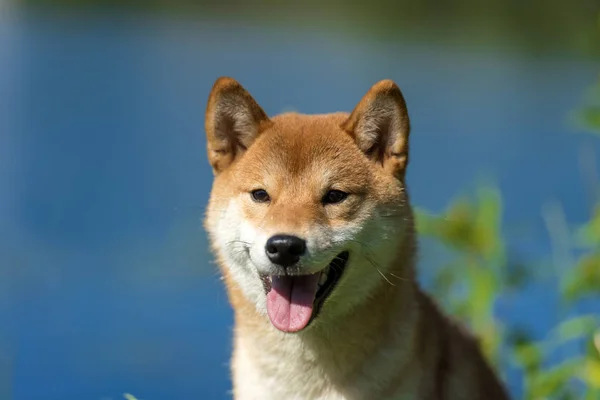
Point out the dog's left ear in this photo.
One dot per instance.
(380, 126)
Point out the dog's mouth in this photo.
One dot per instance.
(293, 302)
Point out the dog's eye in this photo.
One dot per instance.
(260, 196)
(334, 196)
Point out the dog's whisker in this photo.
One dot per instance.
(384, 277)
(238, 242)
(369, 255)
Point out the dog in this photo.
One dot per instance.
(310, 222)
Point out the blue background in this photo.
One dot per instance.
(106, 282)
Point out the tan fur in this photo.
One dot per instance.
(378, 335)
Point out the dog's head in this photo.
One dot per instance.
(306, 211)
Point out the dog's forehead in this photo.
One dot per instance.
(298, 140)
(306, 151)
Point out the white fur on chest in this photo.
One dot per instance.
(285, 372)
(288, 369)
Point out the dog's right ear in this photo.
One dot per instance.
(233, 121)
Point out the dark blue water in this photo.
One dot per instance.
(106, 284)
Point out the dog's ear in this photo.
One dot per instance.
(233, 121)
(380, 126)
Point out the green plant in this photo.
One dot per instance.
(481, 273)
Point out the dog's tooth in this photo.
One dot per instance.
(323, 278)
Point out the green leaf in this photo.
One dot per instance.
(555, 379)
(488, 223)
(529, 356)
(583, 279)
(589, 234)
(589, 118)
(591, 373)
(574, 328)
(425, 222)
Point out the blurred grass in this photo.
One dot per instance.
(482, 273)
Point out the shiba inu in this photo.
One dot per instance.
(310, 221)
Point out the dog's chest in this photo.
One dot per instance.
(288, 370)
(285, 371)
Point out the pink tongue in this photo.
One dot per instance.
(290, 301)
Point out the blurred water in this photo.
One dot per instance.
(106, 284)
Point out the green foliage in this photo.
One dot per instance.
(472, 229)
(481, 273)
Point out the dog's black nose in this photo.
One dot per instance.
(285, 250)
